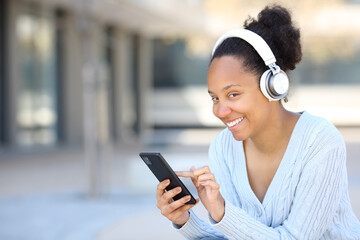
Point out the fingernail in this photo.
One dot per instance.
(178, 189)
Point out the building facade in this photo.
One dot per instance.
(72, 71)
(91, 71)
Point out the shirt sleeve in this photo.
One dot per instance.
(316, 199)
(196, 228)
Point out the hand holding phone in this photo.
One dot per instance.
(162, 171)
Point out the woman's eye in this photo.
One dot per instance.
(214, 99)
(232, 95)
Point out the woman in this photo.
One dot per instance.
(274, 174)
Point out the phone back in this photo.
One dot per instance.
(162, 171)
(159, 166)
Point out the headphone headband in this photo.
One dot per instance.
(253, 39)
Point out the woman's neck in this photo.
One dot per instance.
(276, 135)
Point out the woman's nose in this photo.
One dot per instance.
(221, 110)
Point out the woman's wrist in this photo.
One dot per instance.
(219, 212)
(183, 219)
(218, 216)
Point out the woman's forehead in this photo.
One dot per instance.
(228, 71)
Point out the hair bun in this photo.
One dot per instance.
(274, 17)
(275, 26)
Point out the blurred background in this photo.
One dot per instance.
(85, 85)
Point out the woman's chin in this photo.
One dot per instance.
(238, 136)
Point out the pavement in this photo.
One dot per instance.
(44, 194)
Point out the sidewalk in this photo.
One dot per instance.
(43, 195)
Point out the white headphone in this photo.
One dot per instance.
(274, 83)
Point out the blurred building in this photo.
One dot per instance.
(113, 70)
(68, 64)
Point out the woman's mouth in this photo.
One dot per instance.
(235, 123)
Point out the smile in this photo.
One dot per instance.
(236, 121)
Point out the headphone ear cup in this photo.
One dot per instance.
(264, 84)
(279, 84)
(274, 87)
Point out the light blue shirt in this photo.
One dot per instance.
(307, 198)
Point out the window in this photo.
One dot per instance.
(37, 98)
(335, 69)
(173, 67)
(2, 69)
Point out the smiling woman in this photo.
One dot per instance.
(235, 94)
(273, 174)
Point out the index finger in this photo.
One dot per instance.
(161, 188)
(185, 173)
(200, 171)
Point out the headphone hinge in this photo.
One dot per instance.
(274, 68)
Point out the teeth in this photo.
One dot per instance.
(233, 123)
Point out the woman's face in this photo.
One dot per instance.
(237, 99)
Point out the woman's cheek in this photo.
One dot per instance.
(240, 105)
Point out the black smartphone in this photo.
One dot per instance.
(162, 170)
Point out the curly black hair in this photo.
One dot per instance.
(275, 26)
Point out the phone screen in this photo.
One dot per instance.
(162, 171)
